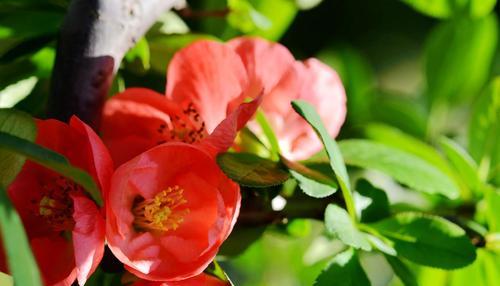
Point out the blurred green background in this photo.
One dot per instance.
(419, 66)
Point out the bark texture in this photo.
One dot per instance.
(94, 37)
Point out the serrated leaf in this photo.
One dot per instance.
(428, 240)
(251, 170)
(21, 125)
(51, 160)
(306, 110)
(21, 261)
(343, 270)
(377, 206)
(339, 224)
(313, 188)
(402, 271)
(404, 167)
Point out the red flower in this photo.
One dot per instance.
(207, 80)
(170, 208)
(65, 228)
(199, 280)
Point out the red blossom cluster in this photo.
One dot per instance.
(167, 205)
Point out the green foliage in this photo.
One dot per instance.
(313, 187)
(402, 271)
(428, 240)
(484, 135)
(251, 170)
(404, 167)
(307, 111)
(464, 165)
(378, 204)
(450, 8)
(20, 259)
(460, 73)
(21, 125)
(343, 270)
(51, 160)
(339, 224)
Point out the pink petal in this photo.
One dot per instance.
(88, 236)
(211, 76)
(224, 134)
(266, 62)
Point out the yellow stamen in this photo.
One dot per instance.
(162, 213)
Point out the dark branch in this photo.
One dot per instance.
(94, 37)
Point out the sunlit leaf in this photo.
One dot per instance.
(460, 73)
(428, 240)
(21, 261)
(21, 125)
(402, 166)
(343, 270)
(449, 8)
(402, 271)
(339, 224)
(484, 135)
(306, 110)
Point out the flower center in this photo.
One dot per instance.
(186, 127)
(56, 205)
(162, 213)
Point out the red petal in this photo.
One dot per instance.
(54, 256)
(88, 236)
(211, 76)
(131, 120)
(199, 280)
(102, 164)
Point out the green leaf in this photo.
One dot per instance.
(271, 139)
(377, 206)
(252, 171)
(21, 261)
(459, 55)
(312, 187)
(484, 135)
(21, 125)
(307, 112)
(51, 160)
(343, 270)
(449, 8)
(393, 137)
(402, 271)
(279, 14)
(141, 53)
(492, 199)
(339, 224)
(462, 162)
(428, 240)
(402, 166)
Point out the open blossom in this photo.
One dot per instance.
(65, 228)
(207, 80)
(170, 208)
